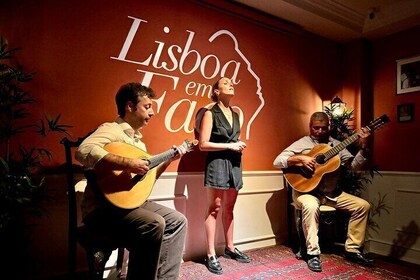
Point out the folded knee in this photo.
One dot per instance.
(213, 211)
(156, 227)
(310, 207)
(365, 205)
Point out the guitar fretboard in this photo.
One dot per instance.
(335, 150)
(158, 159)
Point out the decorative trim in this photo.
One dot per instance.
(255, 239)
(408, 191)
(334, 11)
(267, 185)
(383, 248)
(167, 197)
(391, 244)
(405, 231)
(169, 175)
(400, 173)
(253, 243)
(259, 191)
(252, 15)
(276, 173)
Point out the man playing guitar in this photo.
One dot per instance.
(297, 155)
(154, 234)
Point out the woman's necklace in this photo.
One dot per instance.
(228, 114)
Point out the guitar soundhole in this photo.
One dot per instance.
(320, 159)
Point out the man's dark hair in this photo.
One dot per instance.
(131, 92)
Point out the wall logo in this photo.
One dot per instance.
(188, 62)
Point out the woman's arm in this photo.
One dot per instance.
(205, 133)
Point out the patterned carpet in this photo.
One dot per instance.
(279, 262)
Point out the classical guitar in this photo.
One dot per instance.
(327, 161)
(128, 190)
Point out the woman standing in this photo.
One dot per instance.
(219, 136)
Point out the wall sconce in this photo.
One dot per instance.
(337, 106)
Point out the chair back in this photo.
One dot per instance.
(98, 246)
(72, 200)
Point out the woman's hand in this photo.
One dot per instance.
(238, 146)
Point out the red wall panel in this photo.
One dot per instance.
(70, 46)
(395, 145)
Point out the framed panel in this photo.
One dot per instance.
(408, 75)
(405, 112)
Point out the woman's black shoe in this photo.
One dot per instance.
(236, 255)
(213, 265)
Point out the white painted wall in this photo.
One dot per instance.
(260, 216)
(260, 211)
(400, 230)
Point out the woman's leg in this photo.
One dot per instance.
(229, 201)
(231, 252)
(214, 201)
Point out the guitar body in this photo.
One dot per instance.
(127, 190)
(122, 188)
(303, 180)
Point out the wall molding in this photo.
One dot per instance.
(383, 248)
(408, 191)
(399, 231)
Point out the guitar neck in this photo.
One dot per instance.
(335, 150)
(162, 157)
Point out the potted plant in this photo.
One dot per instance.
(22, 192)
(354, 182)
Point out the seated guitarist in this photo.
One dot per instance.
(153, 234)
(309, 202)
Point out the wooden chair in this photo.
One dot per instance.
(98, 246)
(327, 225)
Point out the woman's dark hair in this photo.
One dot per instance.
(131, 92)
(215, 86)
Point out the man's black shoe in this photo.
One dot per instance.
(314, 263)
(213, 265)
(358, 258)
(236, 255)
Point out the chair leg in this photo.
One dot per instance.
(72, 256)
(301, 254)
(327, 230)
(96, 262)
(120, 260)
